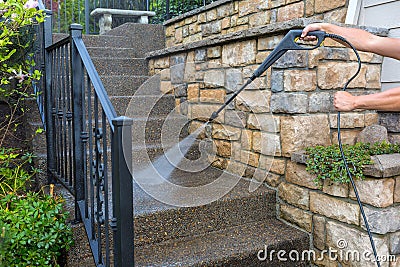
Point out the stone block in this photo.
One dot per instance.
(223, 148)
(390, 164)
(264, 122)
(299, 132)
(394, 241)
(267, 144)
(320, 102)
(225, 10)
(294, 195)
(214, 78)
(234, 79)
(373, 76)
(297, 174)
(347, 136)
(224, 132)
(161, 63)
(376, 192)
(177, 73)
(335, 189)
(309, 7)
(247, 139)
(277, 81)
(214, 52)
(347, 120)
(239, 54)
(200, 55)
(290, 12)
(259, 19)
(383, 220)
(166, 87)
(193, 92)
(292, 59)
(271, 179)
(249, 158)
(273, 164)
(256, 101)
(211, 15)
(235, 118)
(211, 28)
(204, 111)
(213, 96)
(373, 134)
(269, 43)
(300, 80)
(348, 240)
(334, 208)
(370, 119)
(333, 75)
(296, 216)
(397, 191)
(289, 103)
(323, 6)
(247, 7)
(180, 90)
(391, 121)
(319, 231)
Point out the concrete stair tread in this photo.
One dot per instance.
(145, 203)
(234, 246)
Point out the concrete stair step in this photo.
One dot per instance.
(121, 66)
(157, 128)
(147, 105)
(107, 41)
(127, 85)
(144, 37)
(111, 52)
(233, 246)
(156, 221)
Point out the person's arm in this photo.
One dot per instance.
(384, 101)
(362, 40)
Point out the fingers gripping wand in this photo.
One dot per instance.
(287, 43)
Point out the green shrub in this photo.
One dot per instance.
(15, 171)
(34, 230)
(16, 64)
(326, 161)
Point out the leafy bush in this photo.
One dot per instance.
(326, 162)
(32, 225)
(15, 171)
(34, 230)
(17, 20)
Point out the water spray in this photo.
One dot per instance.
(289, 42)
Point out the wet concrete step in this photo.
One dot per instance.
(233, 246)
(157, 129)
(107, 41)
(225, 205)
(146, 105)
(121, 66)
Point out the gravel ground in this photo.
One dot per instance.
(79, 255)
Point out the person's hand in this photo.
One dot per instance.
(344, 101)
(310, 28)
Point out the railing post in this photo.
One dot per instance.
(78, 120)
(122, 186)
(167, 10)
(47, 41)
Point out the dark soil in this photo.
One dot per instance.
(15, 137)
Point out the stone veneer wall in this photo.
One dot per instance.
(332, 216)
(212, 51)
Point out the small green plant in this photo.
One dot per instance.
(326, 161)
(17, 20)
(15, 171)
(34, 230)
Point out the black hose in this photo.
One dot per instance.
(340, 38)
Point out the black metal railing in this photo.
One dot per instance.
(89, 148)
(66, 12)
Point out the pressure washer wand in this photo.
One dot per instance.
(288, 43)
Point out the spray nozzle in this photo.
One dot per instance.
(289, 42)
